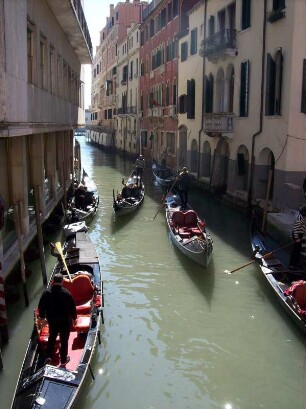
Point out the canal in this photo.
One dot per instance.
(176, 336)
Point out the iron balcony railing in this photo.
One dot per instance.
(219, 43)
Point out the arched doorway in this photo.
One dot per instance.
(194, 157)
(219, 174)
(182, 148)
(242, 168)
(206, 160)
(266, 162)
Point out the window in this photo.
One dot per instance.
(163, 18)
(174, 92)
(43, 62)
(209, 93)
(246, 14)
(194, 41)
(274, 84)
(30, 51)
(152, 28)
(170, 142)
(279, 5)
(175, 8)
(184, 51)
(244, 89)
(168, 93)
(144, 139)
(190, 99)
(182, 103)
(277, 12)
(51, 70)
(211, 26)
(169, 12)
(131, 70)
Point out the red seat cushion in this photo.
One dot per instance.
(298, 291)
(178, 218)
(81, 289)
(191, 219)
(82, 323)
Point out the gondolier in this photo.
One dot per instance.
(58, 307)
(299, 228)
(139, 167)
(183, 186)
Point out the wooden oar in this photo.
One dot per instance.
(164, 198)
(58, 247)
(253, 261)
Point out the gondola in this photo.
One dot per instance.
(288, 285)
(130, 198)
(187, 231)
(42, 385)
(88, 208)
(164, 176)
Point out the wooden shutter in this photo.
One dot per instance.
(190, 99)
(270, 86)
(303, 99)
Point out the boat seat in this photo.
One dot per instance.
(82, 324)
(298, 291)
(178, 219)
(191, 219)
(82, 291)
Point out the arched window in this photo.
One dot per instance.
(168, 93)
(220, 91)
(209, 94)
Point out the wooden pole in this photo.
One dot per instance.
(4, 337)
(267, 200)
(17, 219)
(40, 235)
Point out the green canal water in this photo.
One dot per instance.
(176, 336)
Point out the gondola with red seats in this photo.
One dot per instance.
(188, 232)
(50, 385)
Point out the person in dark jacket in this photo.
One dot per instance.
(58, 307)
(299, 228)
(183, 183)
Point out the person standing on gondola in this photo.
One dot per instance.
(139, 168)
(299, 228)
(57, 306)
(183, 182)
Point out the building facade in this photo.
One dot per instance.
(104, 71)
(43, 45)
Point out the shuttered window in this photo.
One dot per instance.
(274, 76)
(194, 41)
(182, 103)
(303, 100)
(184, 51)
(246, 14)
(190, 99)
(209, 93)
(244, 88)
(270, 86)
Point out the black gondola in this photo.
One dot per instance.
(289, 286)
(86, 209)
(164, 176)
(51, 386)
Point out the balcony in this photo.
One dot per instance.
(131, 110)
(122, 111)
(71, 18)
(172, 110)
(158, 111)
(219, 124)
(219, 45)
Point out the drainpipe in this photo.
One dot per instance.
(203, 93)
(249, 199)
